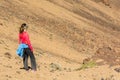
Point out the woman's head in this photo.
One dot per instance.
(23, 28)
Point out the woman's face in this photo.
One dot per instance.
(25, 29)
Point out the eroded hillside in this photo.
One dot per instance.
(61, 31)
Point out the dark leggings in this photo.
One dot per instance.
(27, 53)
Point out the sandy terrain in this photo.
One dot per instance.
(72, 39)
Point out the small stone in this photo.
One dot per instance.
(99, 60)
(94, 79)
(1, 24)
(65, 69)
(55, 79)
(7, 66)
(57, 75)
(69, 70)
(112, 76)
(79, 75)
(55, 67)
(39, 67)
(102, 78)
(18, 72)
(8, 55)
(8, 76)
(45, 66)
(117, 70)
(86, 60)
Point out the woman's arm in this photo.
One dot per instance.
(28, 42)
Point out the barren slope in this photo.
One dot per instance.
(63, 33)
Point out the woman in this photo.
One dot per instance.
(24, 39)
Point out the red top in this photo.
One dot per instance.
(24, 38)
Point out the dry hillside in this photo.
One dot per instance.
(72, 39)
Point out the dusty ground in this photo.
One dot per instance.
(72, 39)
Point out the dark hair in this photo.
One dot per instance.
(23, 26)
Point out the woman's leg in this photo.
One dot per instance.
(25, 60)
(33, 61)
(32, 58)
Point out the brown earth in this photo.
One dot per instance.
(66, 35)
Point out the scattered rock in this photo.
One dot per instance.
(18, 72)
(104, 50)
(1, 24)
(86, 60)
(7, 48)
(8, 55)
(45, 66)
(38, 67)
(65, 68)
(94, 79)
(80, 76)
(39, 52)
(106, 54)
(99, 60)
(69, 70)
(7, 66)
(8, 76)
(102, 78)
(112, 76)
(51, 36)
(109, 78)
(55, 67)
(57, 75)
(106, 2)
(117, 70)
(55, 79)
